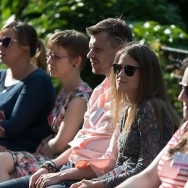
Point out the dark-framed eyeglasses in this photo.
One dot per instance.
(185, 88)
(6, 42)
(55, 57)
(128, 69)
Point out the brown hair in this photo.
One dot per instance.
(118, 31)
(26, 35)
(76, 43)
(151, 85)
(40, 57)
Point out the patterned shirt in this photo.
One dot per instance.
(57, 114)
(172, 177)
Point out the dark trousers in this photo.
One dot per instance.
(23, 182)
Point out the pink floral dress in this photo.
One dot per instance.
(26, 163)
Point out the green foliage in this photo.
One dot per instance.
(155, 23)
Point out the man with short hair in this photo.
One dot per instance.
(84, 160)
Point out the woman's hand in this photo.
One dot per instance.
(88, 184)
(46, 180)
(35, 177)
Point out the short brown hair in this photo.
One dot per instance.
(118, 31)
(76, 43)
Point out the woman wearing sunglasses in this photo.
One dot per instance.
(170, 167)
(149, 121)
(26, 92)
(67, 56)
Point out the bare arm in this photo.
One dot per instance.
(69, 174)
(69, 127)
(146, 179)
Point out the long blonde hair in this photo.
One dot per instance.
(151, 86)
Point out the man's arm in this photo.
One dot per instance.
(56, 178)
(63, 158)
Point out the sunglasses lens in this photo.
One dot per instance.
(6, 42)
(117, 68)
(129, 70)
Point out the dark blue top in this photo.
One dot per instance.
(26, 106)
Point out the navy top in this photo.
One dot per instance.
(26, 106)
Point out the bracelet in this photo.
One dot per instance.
(50, 166)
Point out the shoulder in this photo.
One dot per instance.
(40, 77)
(146, 106)
(84, 91)
(39, 73)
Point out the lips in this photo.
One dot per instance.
(120, 81)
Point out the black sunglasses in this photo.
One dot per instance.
(6, 42)
(181, 86)
(128, 69)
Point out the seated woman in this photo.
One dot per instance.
(149, 121)
(167, 170)
(147, 125)
(27, 94)
(67, 55)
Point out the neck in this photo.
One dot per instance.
(23, 71)
(16, 74)
(71, 83)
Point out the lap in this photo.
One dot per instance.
(65, 184)
(16, 183)
(26, 163)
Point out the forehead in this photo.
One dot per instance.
(100, 40)
(127, 60)
(57, 49)
(7, 32)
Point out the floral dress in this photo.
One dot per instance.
(26, 163)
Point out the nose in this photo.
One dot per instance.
(182, 96)
(90, 54)
(121, 73)
(1, 46)
(49, 61)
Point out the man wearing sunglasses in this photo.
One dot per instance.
(84, 159)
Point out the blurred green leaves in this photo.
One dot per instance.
(155, 23)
